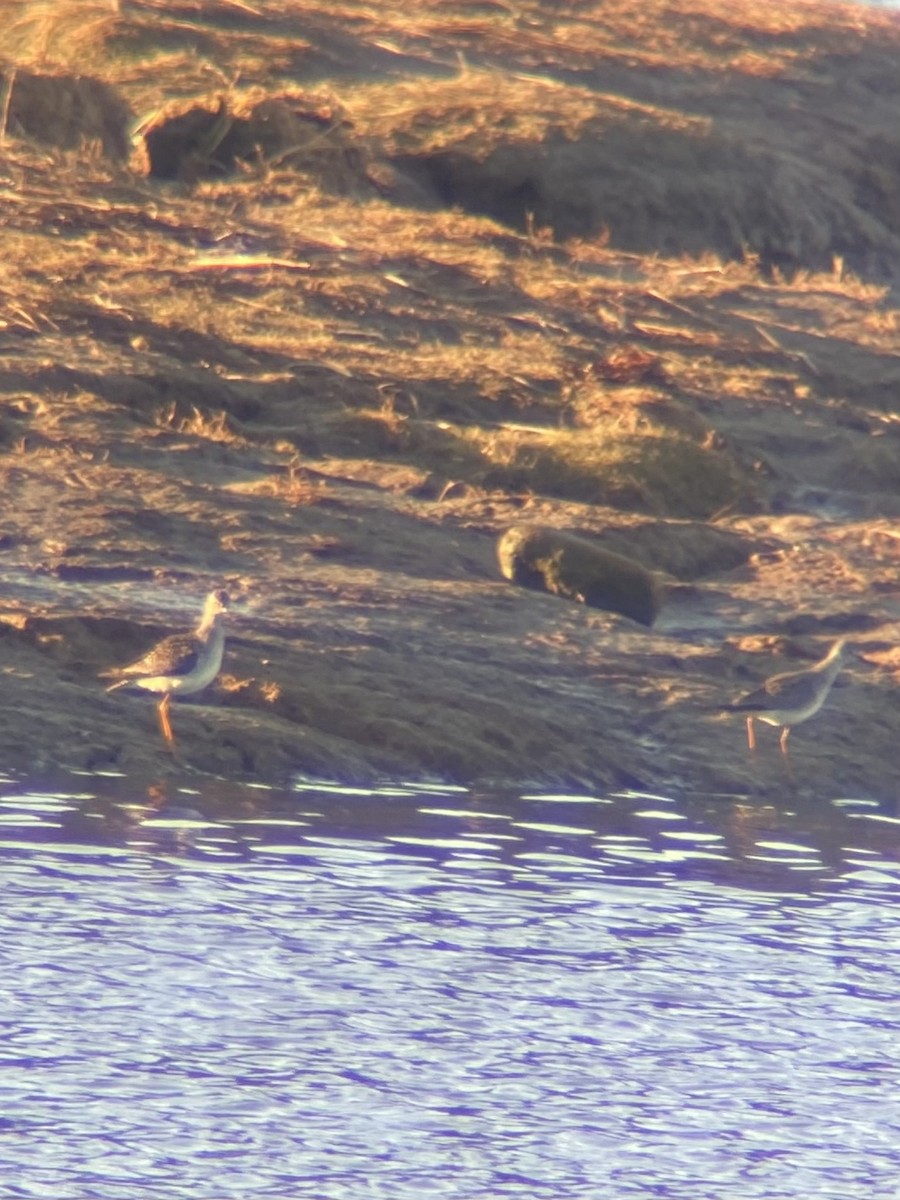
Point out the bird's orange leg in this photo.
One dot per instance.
(785, 734)
(751, 736)
(164, 723)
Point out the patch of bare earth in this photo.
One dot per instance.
(315, 302)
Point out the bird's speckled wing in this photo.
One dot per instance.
(175, 655)
(778, 689)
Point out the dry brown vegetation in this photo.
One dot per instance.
(322, 298)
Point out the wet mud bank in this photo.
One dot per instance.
(246, 342)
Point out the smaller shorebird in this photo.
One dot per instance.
(792, 697)
(181, 663)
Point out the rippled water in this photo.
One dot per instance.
(234, 992)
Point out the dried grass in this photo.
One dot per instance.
(497, 356)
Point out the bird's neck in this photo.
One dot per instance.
(210, 627)
(832, 664)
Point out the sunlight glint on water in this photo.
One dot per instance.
(344, 992)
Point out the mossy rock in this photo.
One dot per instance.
(552, 560)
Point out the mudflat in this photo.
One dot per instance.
(315, 303)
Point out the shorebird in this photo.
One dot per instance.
(180, 664)
(791, 697)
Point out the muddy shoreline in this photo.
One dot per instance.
(343, 664)
(316, 383)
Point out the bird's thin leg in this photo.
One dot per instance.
(164, 724)
(786, 758)
(751, 736)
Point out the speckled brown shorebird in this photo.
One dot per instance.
(181, 663)
(791, 697)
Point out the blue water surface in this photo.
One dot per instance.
(222, 992)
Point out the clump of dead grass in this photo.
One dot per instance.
(293, 484)
(194, 421)
(54, 33)
(470, 110)
(657, 470)
(653, 469)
